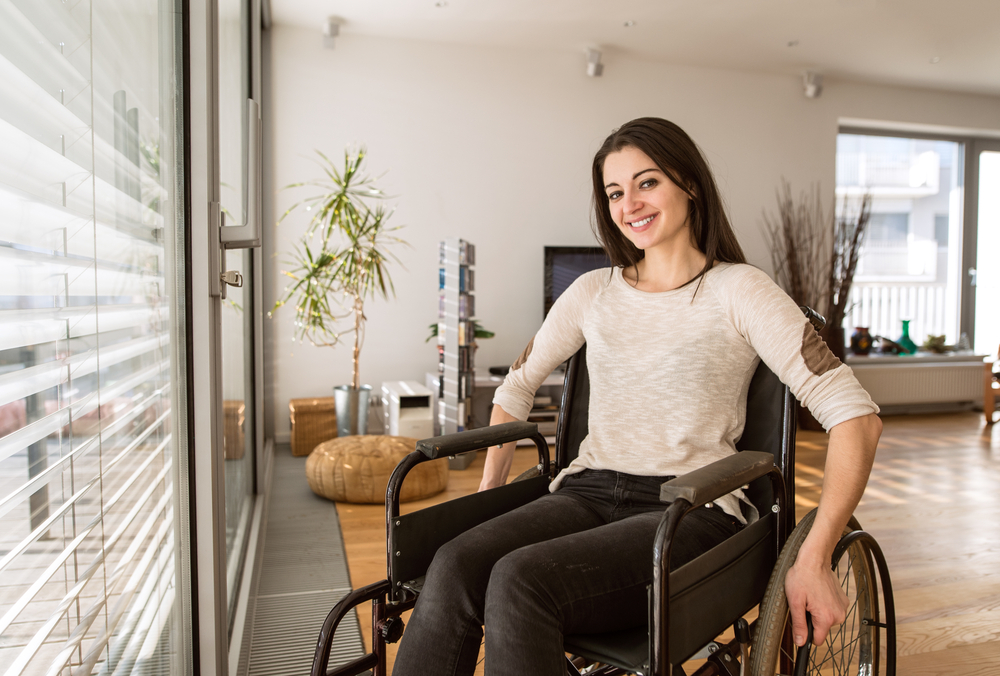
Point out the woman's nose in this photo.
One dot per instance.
(631, 202)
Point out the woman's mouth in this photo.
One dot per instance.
(641, 223)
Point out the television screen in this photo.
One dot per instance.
(563, 264)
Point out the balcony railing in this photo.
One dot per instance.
(881, 307)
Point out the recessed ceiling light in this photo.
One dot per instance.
(935, 59)
(793, 43)
(629, 23)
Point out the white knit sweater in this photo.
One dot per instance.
(669, 371)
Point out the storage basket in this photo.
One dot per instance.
(234, 434)
(313, 422)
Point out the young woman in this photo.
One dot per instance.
(674, 332)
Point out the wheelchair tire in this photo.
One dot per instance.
(850, 649)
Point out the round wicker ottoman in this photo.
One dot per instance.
(357, 469)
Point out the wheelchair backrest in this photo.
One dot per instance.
(770, 423)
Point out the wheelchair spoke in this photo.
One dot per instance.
(849, 649)
(830, 656)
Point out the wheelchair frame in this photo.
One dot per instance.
(397, 593)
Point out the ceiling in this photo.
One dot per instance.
(939, 44)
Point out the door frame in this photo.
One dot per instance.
(970, 251)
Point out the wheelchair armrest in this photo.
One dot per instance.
(718, 478)
(477, 439)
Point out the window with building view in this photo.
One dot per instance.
(910, 265)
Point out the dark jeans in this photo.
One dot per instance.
(574, 561)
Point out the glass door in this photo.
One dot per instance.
(238, 166)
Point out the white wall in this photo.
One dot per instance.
(495, 146)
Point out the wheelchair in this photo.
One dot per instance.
(689, 607)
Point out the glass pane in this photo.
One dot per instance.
(910, 265)
(234, 88)
(237, 419)
(987, 246)
(93, 474)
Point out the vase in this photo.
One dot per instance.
(861, 341)
(352, 409)
(909, 347)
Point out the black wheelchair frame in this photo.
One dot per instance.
(710, 593)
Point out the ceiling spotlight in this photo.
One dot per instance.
(812, 82)
(331, 29)
(629, 23)
(594, 66)
(935, 59)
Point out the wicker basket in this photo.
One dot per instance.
(234, 435)
(313, 422)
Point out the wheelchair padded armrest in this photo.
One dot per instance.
(718, 478)
(477, 439)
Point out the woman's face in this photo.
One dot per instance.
(645, 204)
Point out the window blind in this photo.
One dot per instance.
(92, 471)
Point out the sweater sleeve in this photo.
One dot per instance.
(558, 339)
(771, 322)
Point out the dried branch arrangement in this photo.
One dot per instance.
(815, 254)
(799, 239)
(848, 236)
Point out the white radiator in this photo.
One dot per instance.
(930, 379)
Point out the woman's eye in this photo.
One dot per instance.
(648, 183)
(614, 195)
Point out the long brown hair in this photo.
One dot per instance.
(677, 156)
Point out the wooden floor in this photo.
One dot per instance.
(933, 503)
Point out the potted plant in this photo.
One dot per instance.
(341, 261)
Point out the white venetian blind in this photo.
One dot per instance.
(88, 356)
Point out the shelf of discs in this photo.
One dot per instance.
(456, 334)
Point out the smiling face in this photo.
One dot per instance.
(648, 207)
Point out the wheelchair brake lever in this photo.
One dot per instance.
(802, 654)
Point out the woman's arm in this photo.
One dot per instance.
(498, 459)
(810, 584)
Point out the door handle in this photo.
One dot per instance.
(247, 235)
(232, 278)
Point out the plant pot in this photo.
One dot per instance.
(833, 336)
(352, 409)
(807, 421)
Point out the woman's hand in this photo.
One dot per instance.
(814, 588)
(810, 584)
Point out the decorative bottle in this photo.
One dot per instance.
(904, 341)
(861, 341)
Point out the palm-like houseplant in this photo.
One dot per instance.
(340, 262)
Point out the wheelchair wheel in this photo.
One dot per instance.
(850, 649)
